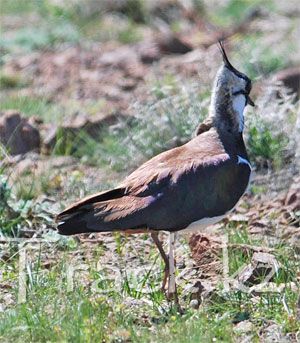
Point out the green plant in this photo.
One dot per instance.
(135, 10)
(226, 14)
(166, 121)
(32, 106)
(10, 217)
(130, 34)
(8, 81)
(47, 35)
(271, 130)
(16, 6)
(266, 146)
(18, 208)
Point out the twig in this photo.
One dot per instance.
(25, 240)
(22, 276)
(250, 247)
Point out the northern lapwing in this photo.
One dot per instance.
(185, 188)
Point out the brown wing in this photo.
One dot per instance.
(205, 149)
(129, 206)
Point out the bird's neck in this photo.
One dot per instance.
(227, 111)
(227, 116)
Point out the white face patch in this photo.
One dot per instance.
(238, 104)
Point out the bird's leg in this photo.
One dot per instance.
(169, 273)
(164, 256)
(172, 290)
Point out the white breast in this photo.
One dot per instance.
(238, 104)
(203, 223)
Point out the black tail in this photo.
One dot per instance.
(81, 217)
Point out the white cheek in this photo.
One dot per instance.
(238, 104)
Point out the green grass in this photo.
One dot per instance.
(267, 146)
(262, 59)
(8, 81)
(45, 35)
(104, 313)
(168, 119)
(130, 34)
(271, 130)
(227, 14)
(12, 213)
(30, 106)
(100, 309)
(67, 23)
(49, 28)
(19, 208)
(16, 6)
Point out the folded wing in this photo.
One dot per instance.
(163, 194)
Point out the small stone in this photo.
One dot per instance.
(149, 52)
(169, 43)
(290, 78)
(244, 327)
(119, 57)
(17, 134)
(194, 303)
(262, 268)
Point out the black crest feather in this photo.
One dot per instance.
(228, 64)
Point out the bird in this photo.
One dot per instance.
(183, 189)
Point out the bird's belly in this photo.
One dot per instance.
(203, 223)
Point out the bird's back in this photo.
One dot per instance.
(197, 180)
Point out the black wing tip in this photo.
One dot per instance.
(70, 223)
(71, 227)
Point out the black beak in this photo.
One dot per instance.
(250, 101)
(235, 71)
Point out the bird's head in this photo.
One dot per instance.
(231, 93)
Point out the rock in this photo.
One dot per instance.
(149, 52)
(206, 252)
(273, 333)
(194, 303)
(18, 134)
(197, 292)
(41, 164)
(292, 198)
(262, 268)
(91, 126)
(168, 43)
(290, 78)
(119, 57)
(194, 291)
(26, 60)
(127, 84)
(272, 287)
(243, 327)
